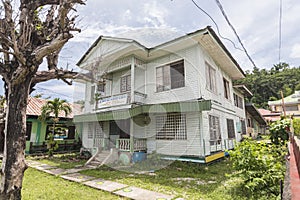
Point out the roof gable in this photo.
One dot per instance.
(206, 37)
(34, 107)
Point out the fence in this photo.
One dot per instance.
(296, 147)
(65, 146)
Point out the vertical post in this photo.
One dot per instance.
(283, 105)
(131, 136)
(132, 80)
(132, 100)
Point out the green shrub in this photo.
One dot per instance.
(279, 131)
(260, 166)
(296, 126)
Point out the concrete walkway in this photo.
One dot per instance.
(100, 184)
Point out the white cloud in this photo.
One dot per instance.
(295, 52)
(155, 14)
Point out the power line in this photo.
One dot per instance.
(233, 29)
(280, 29)
(217, 27)
(52, 91)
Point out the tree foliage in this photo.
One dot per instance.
(266, 84)
(260, 166)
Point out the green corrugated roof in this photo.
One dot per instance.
(191, 106)
(294, 98)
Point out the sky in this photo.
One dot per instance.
(154, 21)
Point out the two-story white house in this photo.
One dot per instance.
(176, 99)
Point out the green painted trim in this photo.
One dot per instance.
(191, 106)
(38, 131)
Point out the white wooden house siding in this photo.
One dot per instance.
(121, 60)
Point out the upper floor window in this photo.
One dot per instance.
(226, 89)
(211, 78)
(101, 88)
(170, 76)
(125, 84)
(238, 101)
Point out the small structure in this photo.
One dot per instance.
(269, 116)
(37, 131)
(290, 105)
(256, 124)
(175, 99)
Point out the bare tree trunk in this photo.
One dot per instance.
(13, 165)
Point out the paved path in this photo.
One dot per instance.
(101, 184)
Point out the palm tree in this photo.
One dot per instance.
(52, 109)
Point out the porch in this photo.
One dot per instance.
(124, 145)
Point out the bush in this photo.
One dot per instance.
(279, 131)
(296, 126)
(260, 166)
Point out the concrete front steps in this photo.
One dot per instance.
(101, 158)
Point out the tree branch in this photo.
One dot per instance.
(43, 76)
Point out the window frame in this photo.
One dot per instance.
(171, 127)
(230, 128)
(28, 130)
(211, 78)
(215, 136)
(125, 84)
(169, 74)
(226, 86)
(238, 101)
(70, 130)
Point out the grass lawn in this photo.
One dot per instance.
(186, 180)
(64, 161)
(41, 186)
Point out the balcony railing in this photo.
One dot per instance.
(138, 144)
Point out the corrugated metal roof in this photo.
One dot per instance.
(35, 105)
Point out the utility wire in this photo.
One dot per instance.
(280, 29)
(233, 29)
(217, 27)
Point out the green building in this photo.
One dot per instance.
(65, 132)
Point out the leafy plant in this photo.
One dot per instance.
(296, 126)
(52, 109)
(260, 166)
(279, 131)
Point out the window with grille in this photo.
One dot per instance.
(211, 78)
(230, 128)
(226, 89)
(170, 76)
(101, 88)
(125, 83)
(171, 127)
(244, 130)
(90, 132)
(214, 130)
(238, 101)
(99, 130)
